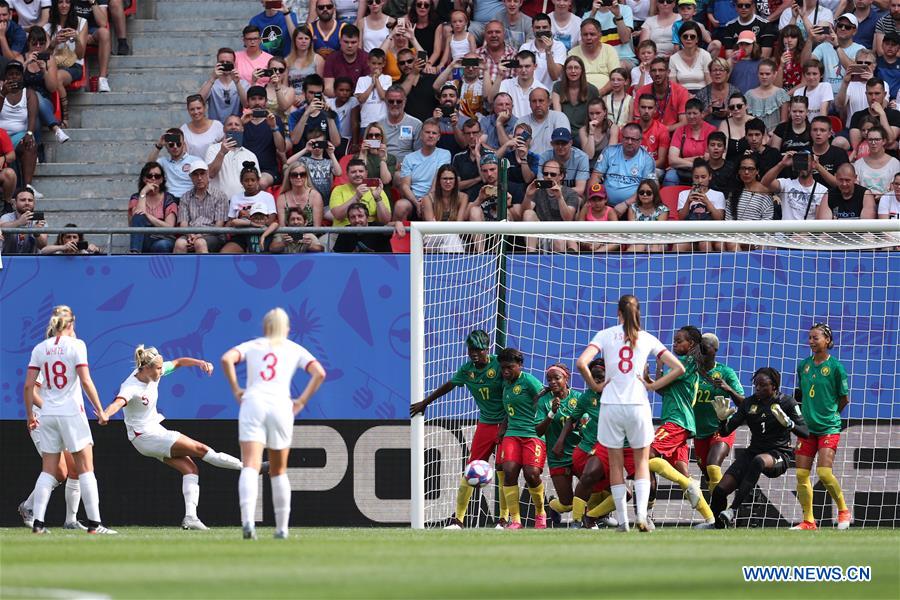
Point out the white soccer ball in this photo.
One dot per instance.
(479, 473)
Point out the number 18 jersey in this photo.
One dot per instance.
(625, 365)
(270, 368)
(56, 359)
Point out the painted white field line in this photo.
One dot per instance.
(55, 593)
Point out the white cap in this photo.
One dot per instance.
(850, 17)
(258, 208)
(199, 165)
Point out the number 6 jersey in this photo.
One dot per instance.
(625, 365)
(270, 368)
(56, 359)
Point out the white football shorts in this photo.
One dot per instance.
(267, 421)
(616, 422)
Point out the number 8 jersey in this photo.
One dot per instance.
(270, 368)
(625, 365)
(56, 359)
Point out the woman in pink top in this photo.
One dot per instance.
(597, 208)
(687, 143)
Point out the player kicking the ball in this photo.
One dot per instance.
(266, 418)
(481, 376)
(137, 398)
(624, 407)
(822, 392)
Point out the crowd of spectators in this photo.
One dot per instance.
(381, 112)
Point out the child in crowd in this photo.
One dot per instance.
(640, 75)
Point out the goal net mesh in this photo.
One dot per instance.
(760, 301)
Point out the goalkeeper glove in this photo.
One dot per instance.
(723, 410)
(779, 414)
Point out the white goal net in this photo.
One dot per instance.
(760, 300)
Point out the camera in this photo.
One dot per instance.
(45, 56)
(422, 55)
(447, 111)
(172, 138)
(82, 245)
(525, 136)
(543, 184)
(512, 64)
(236, 136)
(318, 95)
(226, 66)
(266, 72)
(374, 143)
(273, 4)
(470, 62)
(801, 161)
(372, 182)
(259, 113)
(37, 215)
(320, 144)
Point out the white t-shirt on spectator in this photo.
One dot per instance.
(29, 12)
(856, 96)
(889, 205)
(570, 35)
(521, 104)
(228, 180)
(558, 49)
(639, 79)
(715, 197)
(199, 143)
(374, 108)
(70, 44)
(241, 202)
(821, 93)
(796, 197)
(343, 113)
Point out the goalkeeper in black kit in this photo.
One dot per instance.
(771, 417)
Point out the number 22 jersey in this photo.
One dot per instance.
(625, 365)
(270, 367)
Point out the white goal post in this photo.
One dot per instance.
(759, 300)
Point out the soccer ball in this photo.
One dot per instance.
(479, 473)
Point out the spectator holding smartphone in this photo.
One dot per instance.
(701, 203)
(226, 158)
(279, 22)
(359, 189)
(323, 166)
(346, 110)
(313, 115)
(263, 136)
(177, 165)
(24, 215)
(838, 50)
(70, 243)
(19, 117)
(68, 38)
(224, 92)
(40, 75)
(549, 199)
(298, 243)
(807, 15)
(250, 59)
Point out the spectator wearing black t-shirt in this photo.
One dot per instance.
(263, 137)
(723, 175)
(419, 85)
(830, 157)
(466, 162)
(878, 108)
(848, 200)
(748, 20)
(793, 134)
(754, 135)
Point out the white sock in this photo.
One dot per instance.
(42, 488)
(222, 460)
(29, 501)
(73, 499)
(248, 489)
(619, 492)
(190, 488)
(642, 497)
(281, 499)
(90, 495)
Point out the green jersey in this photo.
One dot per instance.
(518, 401)
(678, 397)
(586, 411)
(566, 406)
(486, 386)
(704, 411)
(821, 387)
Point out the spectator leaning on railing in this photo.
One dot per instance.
(24, 215)
(152, 206)
(70, 243)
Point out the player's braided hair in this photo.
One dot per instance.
(511, 355)
(144, 356)
(826, 331)
(60, 319)
(478, 340)
(773, 375)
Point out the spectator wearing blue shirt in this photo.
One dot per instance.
(418, 170)
(499, 125)
(575, 162)
(868, 16)
(622, 167)
(314, 114)
(276, 26)
(842, 50)
(888, 65)
(12, 44)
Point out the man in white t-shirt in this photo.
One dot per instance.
(522, 85)
(227, 158)
(799, 197)
(566, 27)
(31, 12)
(550, 53)
(370, 90)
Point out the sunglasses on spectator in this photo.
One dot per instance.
(666, 2)
(423, 4)
(845, 26)
(325, 7)
(298, 175)
(735, 106)
(645, 192)
(743, 5)
(373, 136)
(173, 144)
(153, 176)
(689, 36)
(373, 2)
(395, 102)
(277, 70)
(403, 63)
(866, 63)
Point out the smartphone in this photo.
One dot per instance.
(318, 95)
(471, 62)
(826, 29)
(490, 191)
(374, 143)
(320, 144)
(226, 66)
(422, 55)
(511, 64)
(372, 182)
(543, 184)
(544, 34)
(801, 161)
(171, 138)
(525, 136)
(447, 110)
(45, 56)
(273, 4)
(37, 215)
(606, 2)
(259, 113)
(237, 136)
(82, 245)
(266, 72)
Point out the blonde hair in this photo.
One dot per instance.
(145, 356)
(276, 325)
(719, 62)
(60, 319)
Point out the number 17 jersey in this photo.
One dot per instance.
(270, 368)
(625, 365)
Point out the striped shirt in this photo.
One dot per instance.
(751, 206)
(203, 211)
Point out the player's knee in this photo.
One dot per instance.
(824, 473)
(759, 462)
(532, 476)
(201, 449)
(190, 467)
(200, 246)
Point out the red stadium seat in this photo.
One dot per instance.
(669, 195)
(400, 245)
(77, 85)
(836, 123)
(132, 9)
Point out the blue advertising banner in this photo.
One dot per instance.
(350, 311)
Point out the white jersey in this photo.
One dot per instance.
(625, 365)
(57, 358)
(271, 368)
(140, 403)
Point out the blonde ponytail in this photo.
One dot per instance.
(144, 356)
(60, 319)
(276, 325)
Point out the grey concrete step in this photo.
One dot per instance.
(78, 169)
(162, 116)
(84, 204)
(123, 98)
(138, 26)
(192, 10)
(182, 43)
(140, 135)
(186, 80)
(157, 65)
(103, 152)
(86, 186)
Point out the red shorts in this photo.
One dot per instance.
(564, 471)
(810, 446)
(670, 442)
(526, 451)
(701, 447)
(579, 460)
(602, 452)
(484, 442)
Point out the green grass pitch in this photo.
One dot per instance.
(163, 563)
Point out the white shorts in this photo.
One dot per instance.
(57, 433)
(269, 422)
(156, 443)
(616, 422)
(36, 439)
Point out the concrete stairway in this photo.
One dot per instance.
(89, 179)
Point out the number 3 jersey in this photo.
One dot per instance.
(270, 367)
(140, 399)
(625, 365)
(56, 359)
